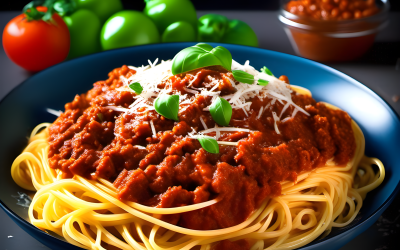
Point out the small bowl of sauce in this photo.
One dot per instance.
(333, 30)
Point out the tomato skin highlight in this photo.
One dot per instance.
(36, 45)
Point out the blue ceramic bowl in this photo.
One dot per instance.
(25, 107)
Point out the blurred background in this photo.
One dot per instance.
(199, 4)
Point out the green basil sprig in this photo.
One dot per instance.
(61, 7)
(242, 76)
(136, 87)
(209, 144)
(168, 106)
(199, 56)
(266, 71)
(221, 111)
(263, 82)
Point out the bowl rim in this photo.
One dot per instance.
(349, 79)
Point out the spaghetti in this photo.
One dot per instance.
(87, 214)
(88, 210)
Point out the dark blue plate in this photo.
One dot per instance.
(25, 107)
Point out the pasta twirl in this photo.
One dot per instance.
(306, 210)
(112, 172)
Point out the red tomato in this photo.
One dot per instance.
(35, 45)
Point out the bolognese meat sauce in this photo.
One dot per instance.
(171, 169)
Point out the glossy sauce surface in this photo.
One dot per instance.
(173, 170)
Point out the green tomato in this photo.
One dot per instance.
(128, 28)
(240, 33)
(84, 29)
(165, 12)
(102, 8)
(179, 32)
(212, 28)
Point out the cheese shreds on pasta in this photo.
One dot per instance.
(91, 214)
(150, 77)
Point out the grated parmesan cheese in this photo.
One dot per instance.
(22, 199)
(276, 119)
(227, 143)
(217, 132)
(230, 129)
(120, 109)
(153, 129)
(191, 91)
(260, 113)
(152, 75)
(54, 112)
(203, 123)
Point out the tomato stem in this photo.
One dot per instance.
(62, 7)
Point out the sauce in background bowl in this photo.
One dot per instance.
(333, 30)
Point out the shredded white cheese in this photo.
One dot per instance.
(230, 129)
(153, 75)
(217, 132)
(54, 112)
(120, 109)
(260, 113)
(276, 119)
(152, 64)
(191, 91)
(203, 123)
(22, 199)
(227, 143)
(153, 129)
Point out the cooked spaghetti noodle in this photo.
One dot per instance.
(88, 214)
(118, 169)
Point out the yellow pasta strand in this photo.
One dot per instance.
(88, 214)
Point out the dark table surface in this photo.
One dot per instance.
(379, 70)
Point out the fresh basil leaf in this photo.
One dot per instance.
(209, 144)
(266, 71)
(136, 87)
(263, 82)
(243, 77)
(167, 106)
(221, 111)
(199, 56)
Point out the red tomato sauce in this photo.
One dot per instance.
(175, 170)
(333, 30)
(333, 9)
